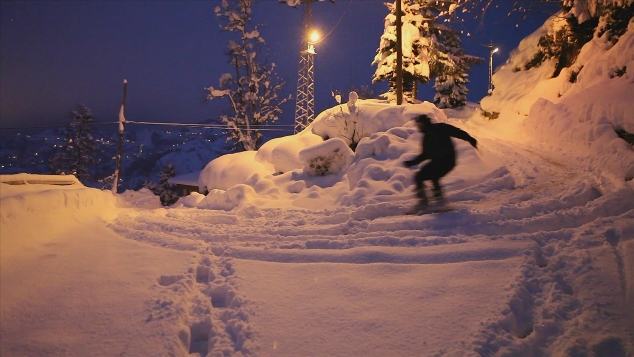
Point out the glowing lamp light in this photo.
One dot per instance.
(314, 37)
(495, 50)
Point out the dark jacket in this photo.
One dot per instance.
(437, 145)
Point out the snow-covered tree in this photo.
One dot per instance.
(252, 89)
(453, 71)
(80, 153)
(418, 47)
(165, 190)
(430, 50)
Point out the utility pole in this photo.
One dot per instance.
(117, 170)
(399, 54)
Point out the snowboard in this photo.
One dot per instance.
(431, 210)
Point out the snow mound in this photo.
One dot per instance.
(141, 198)
(296, 167)
(225, 171)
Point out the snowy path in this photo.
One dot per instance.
(343, 304)
(86, 279)
(524, 264)
(537, 259)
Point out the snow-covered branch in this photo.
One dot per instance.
(252, 90)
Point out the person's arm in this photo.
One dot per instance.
(460, 134)
(417, 160)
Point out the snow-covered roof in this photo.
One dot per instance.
(189, 179)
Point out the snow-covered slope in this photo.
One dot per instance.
(580, 118)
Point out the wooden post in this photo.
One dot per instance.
(117, 170)
(399, 54)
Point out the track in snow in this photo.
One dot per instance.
(534, 210)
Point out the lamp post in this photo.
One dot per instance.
(491, 52)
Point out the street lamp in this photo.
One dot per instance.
(312, 40)
(491, 52)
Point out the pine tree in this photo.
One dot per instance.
(418, 48)
(429, 50)
(80, 154)
(452, 67)
(252, 89)
(165, 190)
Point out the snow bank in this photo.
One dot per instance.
(25, 208)
(516, 88)
(34, 179)
(567, 116)
(594, 134)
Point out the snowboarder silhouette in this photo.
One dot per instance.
(438, 148)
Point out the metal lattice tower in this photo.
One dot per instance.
(305, 98)
(305, 106)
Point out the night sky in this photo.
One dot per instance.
(55, 54)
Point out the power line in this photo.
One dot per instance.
(266, 127)
(338, 22)
(214, 126)
(55, 126)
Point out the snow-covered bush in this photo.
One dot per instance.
(327, 158)
(358, 119)
(283, 153)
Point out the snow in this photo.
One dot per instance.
(597, 103)
(536, 259)
(189, 179)
(225, 171)
(29, 179)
